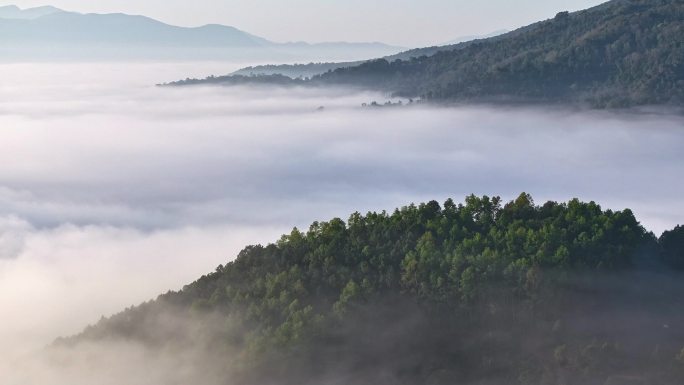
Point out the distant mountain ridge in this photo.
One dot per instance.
(47, 32)
(14, 12)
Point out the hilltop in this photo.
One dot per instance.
(480, 292)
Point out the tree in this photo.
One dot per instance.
(672, 246)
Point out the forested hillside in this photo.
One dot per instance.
(622, 53)
(312, 69)
(475, 293)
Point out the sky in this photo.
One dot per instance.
(406, 23)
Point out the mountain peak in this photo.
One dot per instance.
(49, 32)
(14, 12)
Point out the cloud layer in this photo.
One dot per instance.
(113, 191)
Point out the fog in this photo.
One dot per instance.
(113, 190)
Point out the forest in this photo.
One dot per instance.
(620, 54)
(478, 292)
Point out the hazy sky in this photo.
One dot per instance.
(401, 22)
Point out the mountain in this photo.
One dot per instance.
(463, 39)
(293, 71)
(479, 292)
(312, 69)
(14, 12)
(619, 54)
(622, 53)
(120, 29)
(44, 33)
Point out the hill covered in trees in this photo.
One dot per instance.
(312, 69)
(622, 53)
(625, 52)
(475, 293)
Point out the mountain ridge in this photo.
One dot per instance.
(307, 70)
(14, 12)
(620, 54)
(463, 39)
(62, 34)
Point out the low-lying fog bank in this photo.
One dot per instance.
(113, 190)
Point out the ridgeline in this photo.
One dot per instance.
(475, 293)
(620, 54)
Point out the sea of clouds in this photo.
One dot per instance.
(113, 190)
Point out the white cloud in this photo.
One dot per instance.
(113, 191)
(12, 236)
(64, 278)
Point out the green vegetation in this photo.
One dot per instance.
(293, 71)
(620, 54)
(625, 52)
(241, 80)
(480, 292)
(672, 243)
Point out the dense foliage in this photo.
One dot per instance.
(624, 52)
(672, 243)
(478, 292)
(240, 80)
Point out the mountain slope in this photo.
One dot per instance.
(474, 293)
(622, 53)
(14, 12)
(75, 28)
(50, 33)
(313, 69)
(463, 39)
(625, 52)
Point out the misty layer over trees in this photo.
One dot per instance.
(619, 54)
(475, 293)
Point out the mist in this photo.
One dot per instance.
(113, 191)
